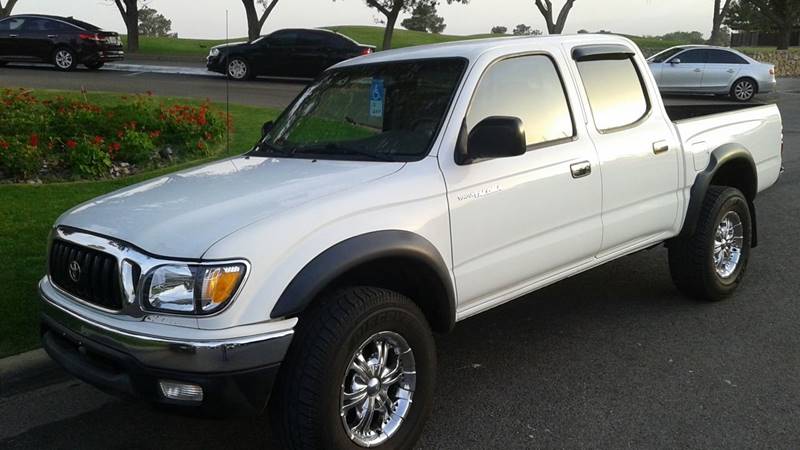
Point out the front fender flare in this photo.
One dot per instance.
(348, 254)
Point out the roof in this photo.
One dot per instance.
(70, 20)
(473, 49)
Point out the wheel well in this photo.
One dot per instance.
(407, 276)
(737, 173)
(755, 82)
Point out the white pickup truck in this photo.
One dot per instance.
(400, 193)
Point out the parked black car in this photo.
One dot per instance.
(62, 41)
(302, 53)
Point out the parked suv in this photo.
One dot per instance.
(702, 69)
(62, 41)
(298, 53)
(400, 193)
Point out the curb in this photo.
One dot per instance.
(28, 371)
(138, 57)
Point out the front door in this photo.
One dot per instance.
(684, 72)
(518, 220)
(274, 54)
(638, 150)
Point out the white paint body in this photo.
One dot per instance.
(504, 227)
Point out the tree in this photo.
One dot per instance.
(130, 15)
(151, 23)
(5, 11)
(424, 18)
(689, 37)
(499, 29)
(780, 16)
(255, 22)
(721, 10)
(546, 8)
(522, 30)
(391, 9)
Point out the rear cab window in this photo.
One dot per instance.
(530, 88)
(616, 92)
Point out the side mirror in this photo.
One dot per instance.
(675, 61)
(266, 128)
(493, 137)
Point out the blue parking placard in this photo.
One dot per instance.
(376, 97)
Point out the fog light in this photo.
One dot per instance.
(181, 391)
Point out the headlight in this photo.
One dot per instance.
(214, 52)
(192, 289)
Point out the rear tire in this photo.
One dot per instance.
(743, 90)
(710, 264)
(65, 59)
(342, 330)
(238, 69)
(95, 66)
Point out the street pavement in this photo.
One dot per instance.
(612, 358)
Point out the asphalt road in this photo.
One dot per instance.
(261, 92)
(612, 358)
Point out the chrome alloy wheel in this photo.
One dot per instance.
(728, 243)
(63, 59)
(744, 90)
(237, 69)
(377, 389)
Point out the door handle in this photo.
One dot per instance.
(731, 71)
(12, 35)
(698, 70)
(660, 147)
(581, 169)
(52, 36)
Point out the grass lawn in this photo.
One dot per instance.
(27, 212)
(368, 35)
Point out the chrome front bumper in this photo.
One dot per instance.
(206, 355)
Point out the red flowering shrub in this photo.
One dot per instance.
(71, 133)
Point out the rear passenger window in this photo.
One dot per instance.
(724, 57)
(615, 90)
(528, 87)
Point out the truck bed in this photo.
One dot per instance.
(684, 112)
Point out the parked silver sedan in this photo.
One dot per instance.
(702, 69)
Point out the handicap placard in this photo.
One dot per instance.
(376, 96)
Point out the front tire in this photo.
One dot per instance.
(65, 59)
(360, 372)
(710, 264)
(743, 90)
(238, 69)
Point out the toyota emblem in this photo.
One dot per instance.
(75, 271)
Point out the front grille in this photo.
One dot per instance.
(96, 274)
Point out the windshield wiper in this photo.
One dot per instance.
(266, 147)
(334, 148)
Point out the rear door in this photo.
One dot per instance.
(518, 220)
(722, 68)
(684, 71)
(10, 43)
(39, 36)
(637, 147)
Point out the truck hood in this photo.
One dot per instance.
(183, 214)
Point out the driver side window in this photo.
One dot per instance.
(527, 87)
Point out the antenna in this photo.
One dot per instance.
(227, 96)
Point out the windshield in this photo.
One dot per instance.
(665, 55)
(386, 111)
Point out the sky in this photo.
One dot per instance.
(206, 18)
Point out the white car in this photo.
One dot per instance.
(400, 193)
(702, 69)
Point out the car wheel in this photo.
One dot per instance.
(360, 373)
(95, 66)
(238, 69)
(710, 264)
(743, 90)
(65, 59)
